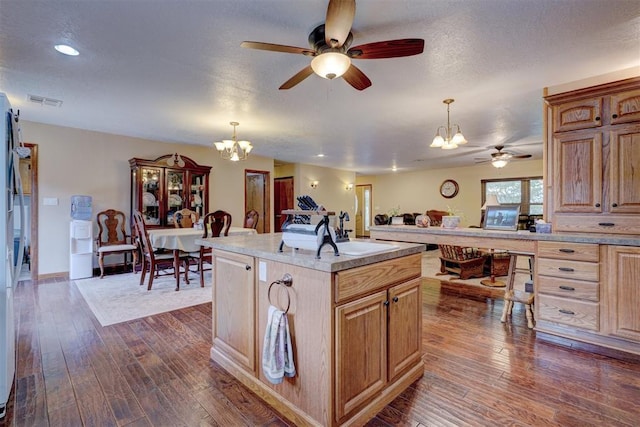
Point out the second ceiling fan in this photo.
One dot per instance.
(330, 48)
(500, 158)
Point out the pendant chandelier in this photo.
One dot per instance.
(232, 149)
(450, 140)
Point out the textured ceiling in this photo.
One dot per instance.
(173, 70)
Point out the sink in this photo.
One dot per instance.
(364, 248)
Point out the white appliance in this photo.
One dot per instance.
(11, 205)
(81, 249)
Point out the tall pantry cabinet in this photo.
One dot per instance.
(592, 292)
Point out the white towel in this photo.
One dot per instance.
(277, 355)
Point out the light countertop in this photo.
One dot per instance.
(598, 238)
(266, 246)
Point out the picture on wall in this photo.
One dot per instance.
(502, 218)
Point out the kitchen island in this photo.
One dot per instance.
(355, 323)
(586, 285)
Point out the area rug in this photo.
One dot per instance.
(120, 298)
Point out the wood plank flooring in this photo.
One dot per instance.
(156, 371)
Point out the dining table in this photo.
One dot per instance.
(184, 240)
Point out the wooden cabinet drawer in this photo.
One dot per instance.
(577, 289)
(567, 311)
(368, 278)
(576, 270)
(616, 224)
(569, 251)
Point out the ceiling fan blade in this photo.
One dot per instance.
(277, 48)
(300, 76)
(387, 49)
(356, 78)
(520, 156)
(339, 20)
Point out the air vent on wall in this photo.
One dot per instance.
(44, 101)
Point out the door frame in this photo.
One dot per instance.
(266, 197)
(33, 215)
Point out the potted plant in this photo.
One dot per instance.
(395, 213)
(453, 219)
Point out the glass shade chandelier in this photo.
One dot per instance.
(232, 149)
(450, 140)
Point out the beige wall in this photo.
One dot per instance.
(420, 191)
(74, 161)
(331, 191)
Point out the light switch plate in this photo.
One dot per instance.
(50, 201)
(262, 271)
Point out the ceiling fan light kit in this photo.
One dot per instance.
(450, 140)
(232, 149)
(499, 163)
(330, 65)
(330, 50)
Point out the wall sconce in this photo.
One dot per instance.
(313, 184)
(349, 187)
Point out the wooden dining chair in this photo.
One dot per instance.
(112, 238)
(216, 224)
(185, 218)
(251, 219)
(153, 262)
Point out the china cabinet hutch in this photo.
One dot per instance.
(167, 184)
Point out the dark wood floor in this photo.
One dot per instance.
(156, 372)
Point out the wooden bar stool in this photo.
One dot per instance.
(512, 295)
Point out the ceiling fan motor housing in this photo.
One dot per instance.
(317, 42)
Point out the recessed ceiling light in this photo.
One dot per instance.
(67, 50)
(393, 168)
(320, 155)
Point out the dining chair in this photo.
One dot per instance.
(251, 219)
(112, 238)
(216, 224)
(185, 218)
(153, 262)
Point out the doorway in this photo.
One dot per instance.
(256, 196)
(28, 169)
(283, 199)
(363, 210)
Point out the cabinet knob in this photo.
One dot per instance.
(615, 205)
(395, 299)
(597, 205)
(247, 267)
(597, 118)
(614, 116)
(386, 303)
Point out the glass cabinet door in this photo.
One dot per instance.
(151, 195)
(197, 194)
(175, 193)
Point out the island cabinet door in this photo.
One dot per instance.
(361, 354)
(233, 307)
(623, 292)
(405, 327)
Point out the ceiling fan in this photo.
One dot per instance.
(500, 158)
(330, 48)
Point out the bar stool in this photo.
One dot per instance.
(512, 295)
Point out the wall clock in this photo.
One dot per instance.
(449, 188)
